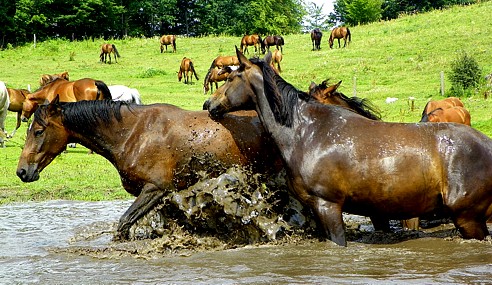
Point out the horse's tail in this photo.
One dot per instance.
(116, 51)
(174, 43)
(103, 92)
(193, 69)
(349, 35)
(424, 112)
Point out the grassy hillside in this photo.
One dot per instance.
(401, 58)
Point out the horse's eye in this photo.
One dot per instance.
(37, 133)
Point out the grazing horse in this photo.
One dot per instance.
(339, 161)
(185, 68)
(340, 33)
(168, 40)
(316, 36)
(69, 91)
(454, 114)
(445, 103)
(125, 94)
(165, 147)
(250, 40)
(106, 50)
(215, 75)
(17, 98)
(269, 41)
(47, 78)
(276, 59)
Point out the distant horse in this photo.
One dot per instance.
(4, 106)
(276, 59)
(269, 41)
(339, 161)
(443, 104)
(125, 94)
(168, 40)
(106, 50)
(250, 40)
(340, 33)
(215, 75)
(222, 61)
(47, 78)
(316, 36)
(69, 91)
(185, 68)
(157, 149)
(17, 98)
(456, 114)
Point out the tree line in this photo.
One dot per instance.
(85, 19)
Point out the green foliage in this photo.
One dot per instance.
(363, 11)
(465, 75)
(316, 17)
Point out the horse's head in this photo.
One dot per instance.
(237, 93)
(29, 106)
(324, 93)
(46, 138)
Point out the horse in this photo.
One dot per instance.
(4, 106)
(276, 59)
(168, 40)
(456, 114)
(69, 91)
(17, 98)
(340, 33)
(185, 68)
(339, 161)
(215, 75)
(268, 41)
(47, 78)
(106, 50)
(445, 103)
(165, 147)
(250, 40)
(316, 36)
(125, 94)
(222, 61)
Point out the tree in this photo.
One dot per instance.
(316, 18)
(363, 11)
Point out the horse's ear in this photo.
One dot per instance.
(268, 57)
(328, 91)
(312, 86)
(54, 105)
(242, 59)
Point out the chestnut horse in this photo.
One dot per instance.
(69, 91)
(106, 51)
(276, 59)
(250, 40)
(215, 75)
(168, 40)
(455, 114)
(340, 33)
(185, 68)
(269, 41)
(165, 147)
(339, 161)
(17, 98)
(226, 60)
(47, 78)
(443, 104)
(316, 36)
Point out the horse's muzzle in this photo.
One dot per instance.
(27, 176)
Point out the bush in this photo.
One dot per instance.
(465, 75)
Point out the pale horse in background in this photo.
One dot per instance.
(124, 93)
(4, 106)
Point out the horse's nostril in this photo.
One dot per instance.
(21, 173)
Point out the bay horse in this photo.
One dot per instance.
(316, 36)
(445, 103)
(250, 40)
(215, 75)
(106, 51)
(339, 161)
(47, 78)
(340, 33)
(69, 91)
(268, 41)
(185, 68)
(165, 147)
(456, 114)
(17, 98)
(168, 40)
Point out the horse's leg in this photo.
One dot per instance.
(19, 121)
(380, 224)
(339, 46)
(330, 216)
(149, 196)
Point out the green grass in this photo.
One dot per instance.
(400, 58)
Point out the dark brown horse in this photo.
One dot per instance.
(215, 75)
(339, 161)
(69, 91)
(168, 40)
(47, 78)
(455, 114)
(17, 98)
(106, 51)
(269, 41)
(250, 40)
(316, 36)
(165, 148)
(185, 68)
(340, 33)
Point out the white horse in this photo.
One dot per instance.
(4, 106)
(124, 93)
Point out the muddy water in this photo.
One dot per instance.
(66, 242)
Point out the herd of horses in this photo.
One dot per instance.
(338, 154)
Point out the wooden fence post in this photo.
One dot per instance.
(442, 83)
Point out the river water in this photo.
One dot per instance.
(40, 242)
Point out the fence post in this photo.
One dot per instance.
(355, 86)
(442, 83)
(34, 40)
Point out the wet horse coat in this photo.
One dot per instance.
(338, 161)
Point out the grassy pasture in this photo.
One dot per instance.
(400, 58)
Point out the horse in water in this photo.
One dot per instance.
(269, 41)
(250, 40)
(185, 68)
(340, 33)
(106, 51)
(47, 78)
(165, 147)
(125, 94)
(316, 36)
(168, 40)
(69, 91)
(455, 114)
(339, 161)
